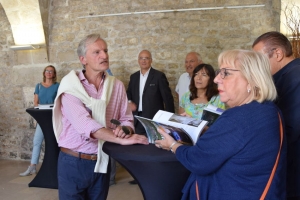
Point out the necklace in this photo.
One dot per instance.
(201, 105)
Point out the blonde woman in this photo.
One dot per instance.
(235, 157)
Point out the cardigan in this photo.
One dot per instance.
(71, 84)
(235, 156)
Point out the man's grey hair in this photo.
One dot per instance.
(197, 55)
(146, 51)
(89, 39)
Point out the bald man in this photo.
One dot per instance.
(192, 60)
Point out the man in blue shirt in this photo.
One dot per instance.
(286, 72)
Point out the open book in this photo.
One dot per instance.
(211, 113)
(44, 106)
(185, 130)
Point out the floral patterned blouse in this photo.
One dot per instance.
(195, 110)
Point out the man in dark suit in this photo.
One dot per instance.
(286, 71)
(148, 91)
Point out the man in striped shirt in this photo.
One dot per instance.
(86, 102)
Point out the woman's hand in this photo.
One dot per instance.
(167, 140)
(185, 114)
(204, 130)
(35, 100)
(167, 143)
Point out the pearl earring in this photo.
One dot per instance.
(248, 90)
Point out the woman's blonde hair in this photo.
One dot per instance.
(54, 72)
(256, 68)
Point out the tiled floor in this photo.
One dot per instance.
(14, 187)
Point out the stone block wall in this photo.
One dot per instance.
(168, 35)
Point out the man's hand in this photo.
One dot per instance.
(118, 136)
(132, 106)
(120, 131)
(134, 139)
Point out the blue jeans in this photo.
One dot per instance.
(77, 180)
(37, 144)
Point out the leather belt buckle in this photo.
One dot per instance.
(93, 157)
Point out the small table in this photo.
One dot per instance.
(47, 175)
(159, 174)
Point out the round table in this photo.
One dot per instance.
(47, 175)
(159, 174)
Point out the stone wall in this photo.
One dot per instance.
(169, 36)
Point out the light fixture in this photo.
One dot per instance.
(24, 47)
(91, 15)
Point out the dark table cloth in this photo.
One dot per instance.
(47, 175)
(159, 174)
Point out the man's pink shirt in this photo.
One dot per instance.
(77, 120)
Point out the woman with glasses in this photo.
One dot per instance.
(243, 154)
(45, 93)
(203, 91)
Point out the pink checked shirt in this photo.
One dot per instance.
(78, 123)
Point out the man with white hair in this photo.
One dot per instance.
(192, 60)
(86, 102)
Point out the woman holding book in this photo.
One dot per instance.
(203, 91)
(45, 93)
(243, 154)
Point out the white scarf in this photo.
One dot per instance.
(71, 84)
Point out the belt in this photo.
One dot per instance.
(79, 155)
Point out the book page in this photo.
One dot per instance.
(214, 109)
(45, 106)
(191, 125)
(211, 114)
(150, 128)
(152, 133)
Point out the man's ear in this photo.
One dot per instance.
(82, 60)
(279, 54)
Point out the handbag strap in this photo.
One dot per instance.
(276, 163)
(197, 191)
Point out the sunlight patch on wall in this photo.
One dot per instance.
(25, 19)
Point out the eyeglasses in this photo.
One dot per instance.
(144, 58)
(49, 71)
(224, 72)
